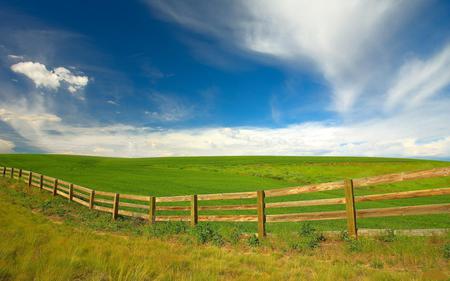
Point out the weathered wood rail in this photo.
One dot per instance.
(146, 207)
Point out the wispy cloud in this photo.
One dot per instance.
(421, 133)
(341, 39)
(7, 116)
(16, 57)
(168, 108)
(345, 42)
(112, 102)
(154, 73)
(6, 146)
(418, 80)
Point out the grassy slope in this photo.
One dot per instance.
(33, 247)
(187, 175)
(174, 176)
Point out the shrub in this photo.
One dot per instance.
(217, 239)
(307, 229)
(389, 236)
(447, 251)
(344, 236)
(206, 233)
(354, 245)
(234, 235)
(167, 228)
(253, 241)
(306, 242)
(309, 238)
(294, 245)
(377, 264)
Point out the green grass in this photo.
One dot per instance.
(48, 238)
(198, 175)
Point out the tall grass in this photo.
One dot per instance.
(45, 238)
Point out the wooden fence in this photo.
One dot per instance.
(145, 207)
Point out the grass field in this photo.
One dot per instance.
(49, 238)
(197, 175)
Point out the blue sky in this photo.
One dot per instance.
(171, 78)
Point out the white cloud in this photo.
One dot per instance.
(422, 133)
(6, 146)
(418, 80)
(346, 41)
(168, 108)
(6, 116)
(112, 102)
(39, 73)
(16, 57)
(51, 79)
(75, 82)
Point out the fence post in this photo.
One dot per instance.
(261, 214)
(91, 199)
(152, 210)
(350, 208)
(55, 187)
(12, 173)
(115, 206)
(71, 192)
(41, 183)
(4, 171)
(194, 210)
(20, 174)
(30, 178)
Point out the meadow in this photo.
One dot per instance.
(199, 175)
(49, 238)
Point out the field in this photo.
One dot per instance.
(197, 175)
(48, 238)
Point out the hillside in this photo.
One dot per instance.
(197, 175)
(48, 238)
(188, 175)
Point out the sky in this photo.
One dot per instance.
(151, 78)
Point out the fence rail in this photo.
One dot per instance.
(146, 207)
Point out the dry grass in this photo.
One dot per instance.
(33, 247)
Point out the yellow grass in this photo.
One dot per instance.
(34, 246)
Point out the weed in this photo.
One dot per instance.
(253, 241)
(308, 238)
(307, 242)
(234, 235)
(354, 245)
(307, 228)
(377, 264)
(344, 236)
(217, 239)
(167, 228)
(447, 251)
(388, 236)
(73, 251)
(206, 233)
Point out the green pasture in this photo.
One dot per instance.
(200, 175)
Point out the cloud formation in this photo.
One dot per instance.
(418, 80)
(345, 41)
(50, 79)
(422, 133)
(168, 108)
(6, 146)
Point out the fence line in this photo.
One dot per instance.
(146, 207)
